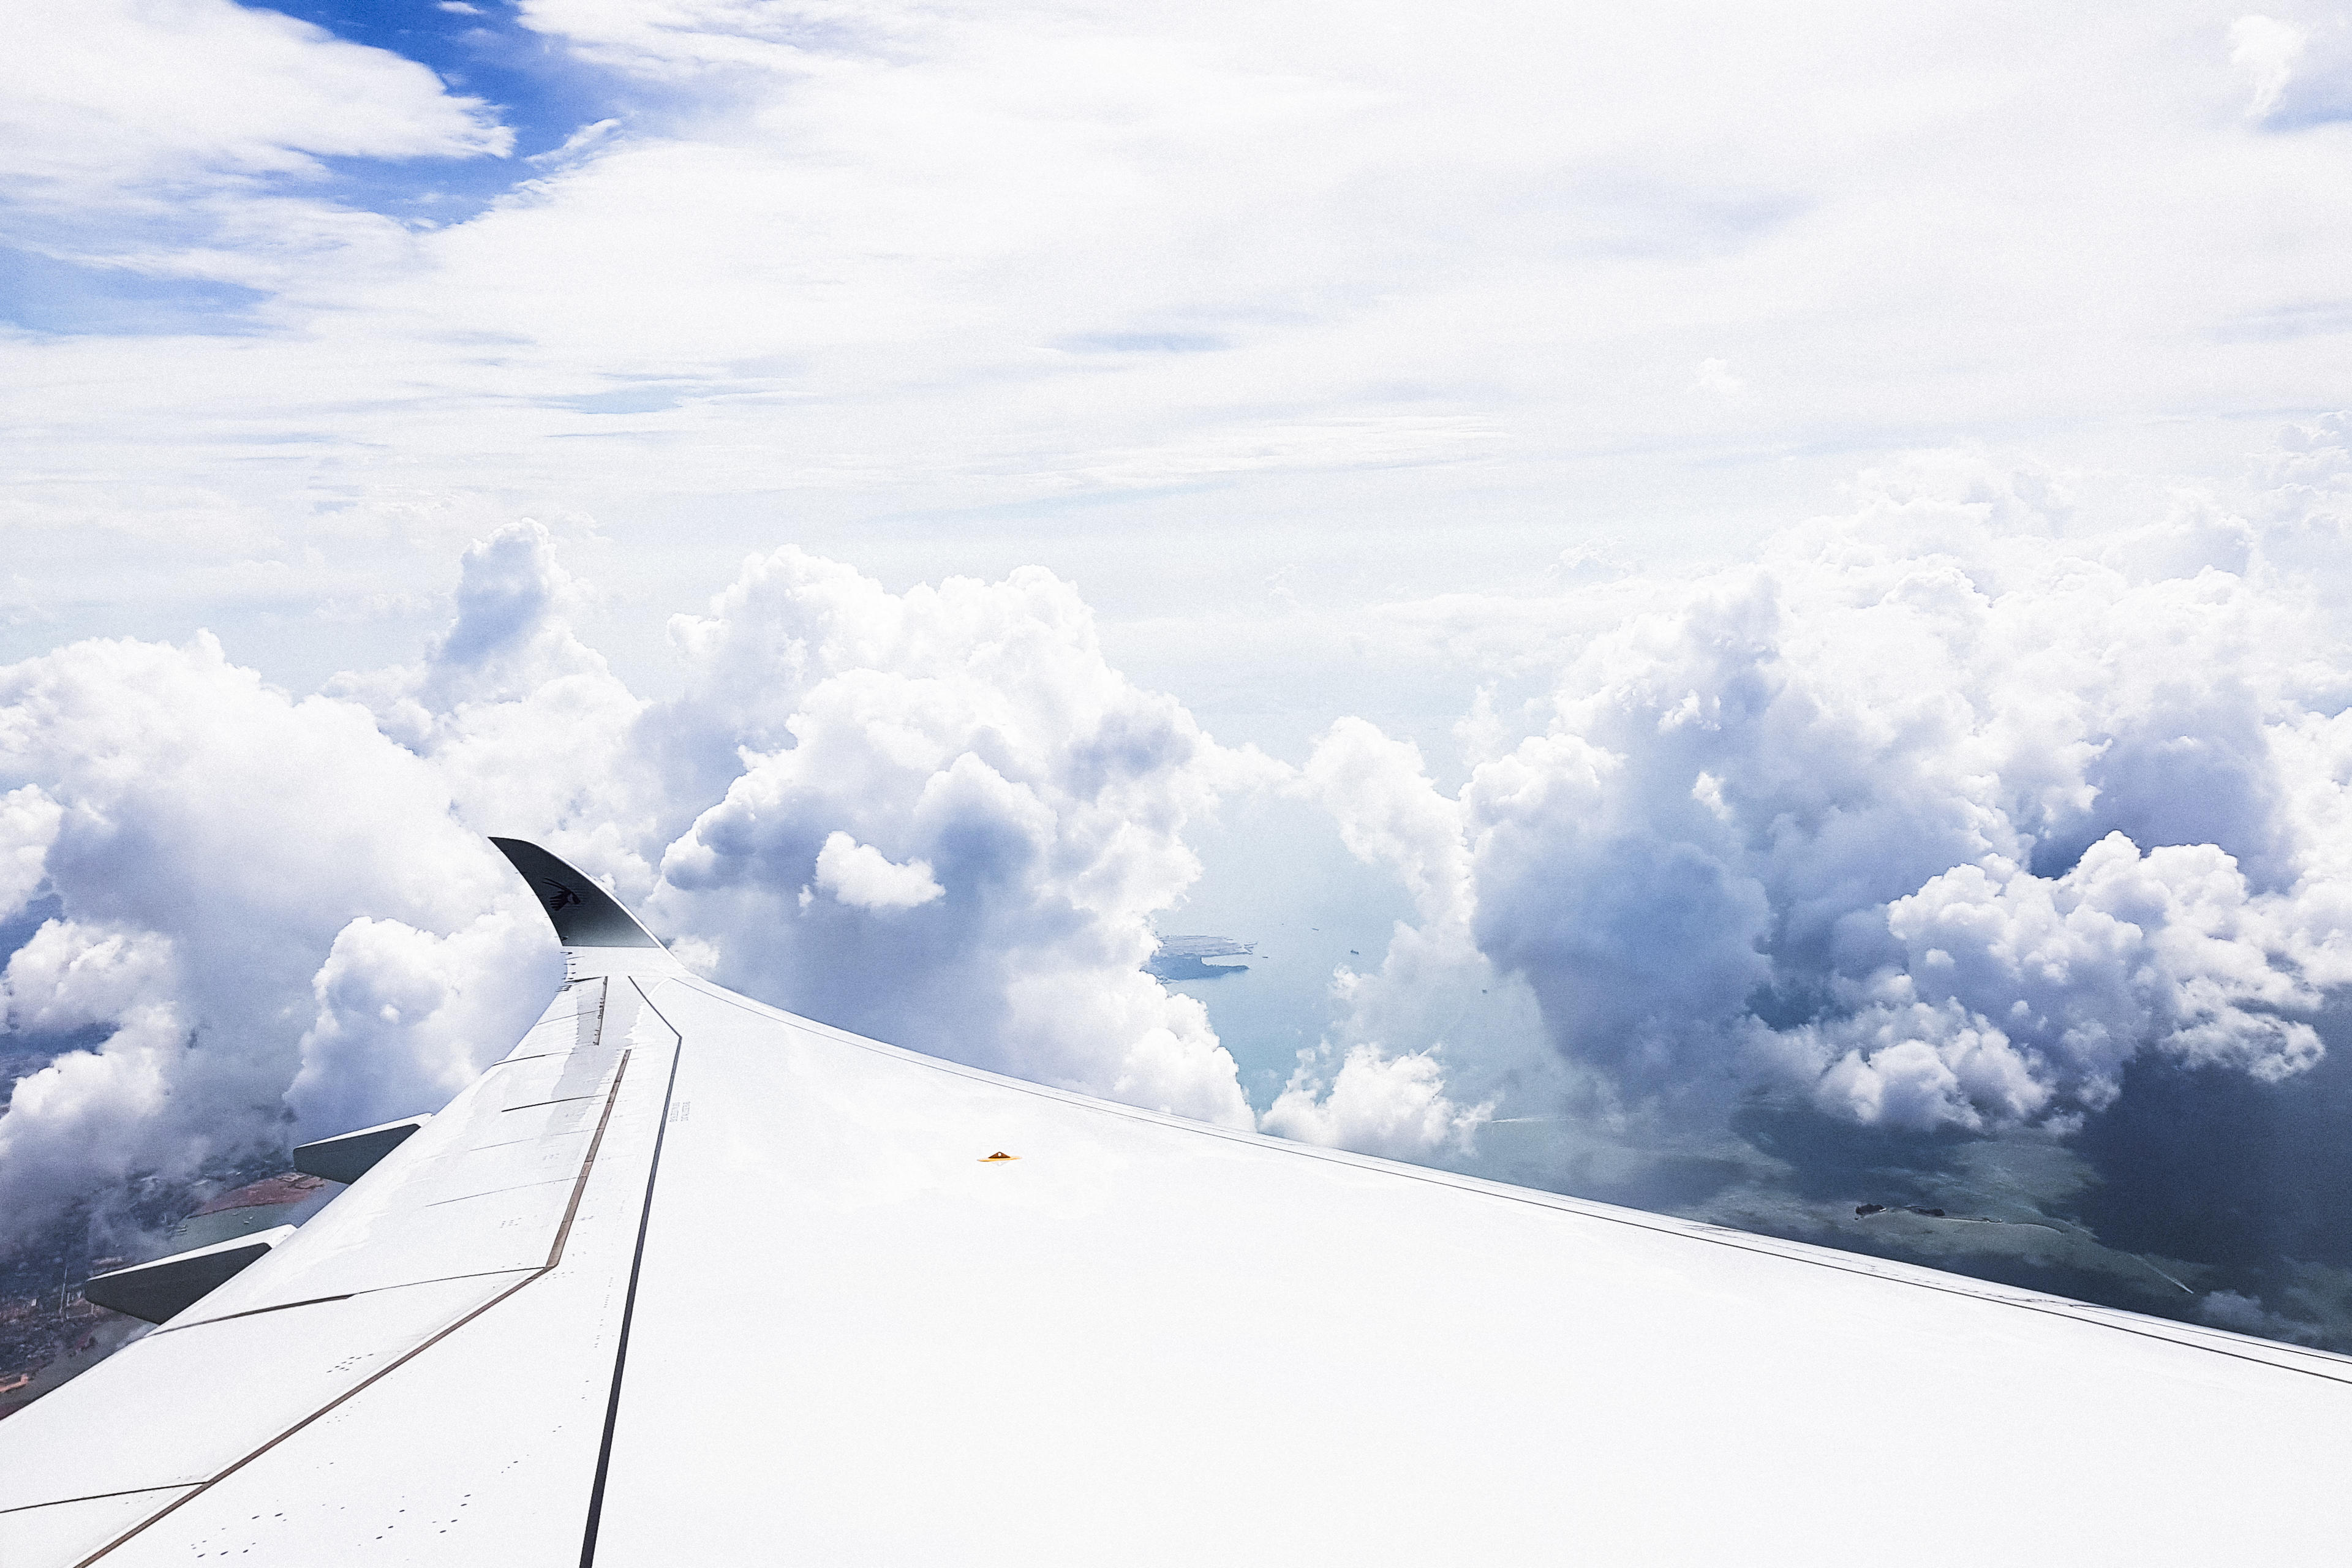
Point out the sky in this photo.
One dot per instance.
(1746, 609)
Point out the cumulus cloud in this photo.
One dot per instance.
(404, 1018)
(2165, 949)
(938, 816)
(862, 876)
(525, 725)
(1995, 815)
(951, 786)
(1377, 1079)
(1379, 1104)
(225, 883)
(1940, 824)
(990, 811)
(1378, 791)
(28, 824)
(1936, 819)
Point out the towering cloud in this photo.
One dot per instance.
(1942, 819)
(1961, 839)
(1938, 815)
(228, 907)
(236, 916)
(952, 787)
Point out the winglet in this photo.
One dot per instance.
(583, 914)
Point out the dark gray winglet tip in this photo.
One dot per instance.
(583, 914)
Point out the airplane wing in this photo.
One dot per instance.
(685, 1278)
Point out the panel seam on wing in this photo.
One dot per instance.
(2339, 1372)
(554, 1257)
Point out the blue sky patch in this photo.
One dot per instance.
(42, 294)
(532, 82)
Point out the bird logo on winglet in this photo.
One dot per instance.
(554, 895)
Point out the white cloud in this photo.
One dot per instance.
(996, 811)
(2019, 994)
(29, 824)
(2264, 50)
(109, 94)
(168, 168)
(864, 877)
(226, 865)
(1379, 1104)
(142, 1103)
(1715, 375)
(993, 812)
(1244, 247)
(579, 141)
(1936, 819)
(405, 1016)
(525, 725)
(1941, 814)
(676, 39)
(71, 975)
(1432, 986)
(1381, 794)
(273, 914)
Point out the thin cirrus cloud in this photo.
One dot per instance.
(123, 164)
(971, 264)
(101, 101)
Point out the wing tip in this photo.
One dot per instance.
(583, 914)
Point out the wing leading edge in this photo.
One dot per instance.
(685, 1278)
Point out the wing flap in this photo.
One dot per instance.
(182, 1404)
(351, 1155)
(425, 1250)
(167, 1287)
(481, 1445)
(476, 1191)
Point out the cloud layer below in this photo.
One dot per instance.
(1904, 854)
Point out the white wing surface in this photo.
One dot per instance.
(688, 1280)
